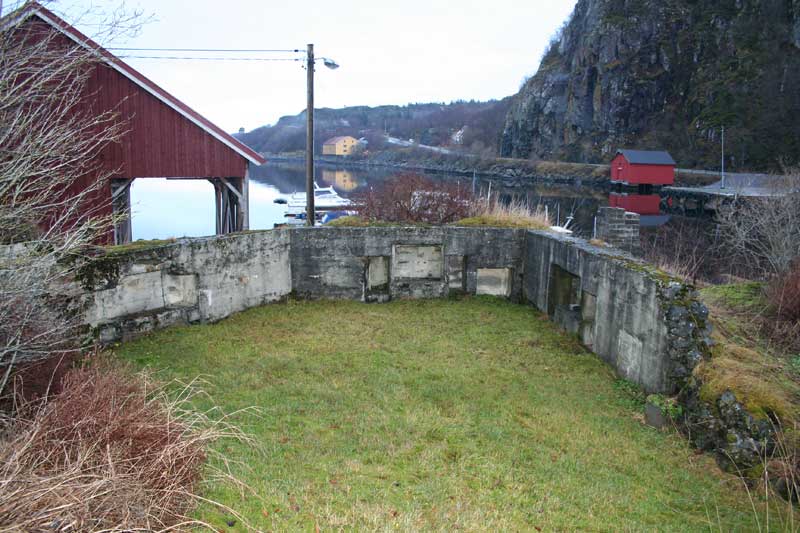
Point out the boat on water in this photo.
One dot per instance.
(326, 199)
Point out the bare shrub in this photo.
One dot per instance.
(764, 232)
(52, 179)
(683, 249)
(783, 293)
(111, 452)
(416, 199)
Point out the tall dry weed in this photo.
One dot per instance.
(111, 452)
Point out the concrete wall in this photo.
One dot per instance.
(377, 264)
(194, 280)
(607, 298)
(613, 304)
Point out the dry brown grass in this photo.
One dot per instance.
(111, 452)
(758, 380)
(516, 214)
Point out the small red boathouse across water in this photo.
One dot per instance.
(641, 167)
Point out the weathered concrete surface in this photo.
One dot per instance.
(651, 329)
(194, 280)
(494, 282)
(423, 262)
(622, 321)
(608, 298)
(417, 262)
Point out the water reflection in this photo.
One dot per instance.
(342, 180)
(648, 206)
(174, 208)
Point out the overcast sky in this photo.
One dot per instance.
(389, 52)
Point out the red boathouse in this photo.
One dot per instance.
(640, 167)
(165, 138)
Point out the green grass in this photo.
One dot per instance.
(746, 296)
(472, 414)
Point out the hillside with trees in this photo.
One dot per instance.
(472, 126)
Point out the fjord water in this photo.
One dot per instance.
(176, 208)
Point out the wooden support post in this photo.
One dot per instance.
(218, 206)
(246, 200)
(231, 195)
(121, 206)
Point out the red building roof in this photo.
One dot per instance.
(166, 137)
(647, 157)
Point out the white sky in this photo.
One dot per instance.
(389, 52)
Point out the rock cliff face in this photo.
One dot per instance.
(666, 74)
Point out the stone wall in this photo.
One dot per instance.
(608, 298)
(618, 228)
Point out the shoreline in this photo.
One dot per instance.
(509, 173)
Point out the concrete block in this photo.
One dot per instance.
(377, 272)
(180, 290)
(456, 280)
(494, 282)
(132, 294)
(588, 311)
(417, 262)
(629, 356)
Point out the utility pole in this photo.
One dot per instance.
(310, 217)
(722, 186)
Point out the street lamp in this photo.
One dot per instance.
(331, 64)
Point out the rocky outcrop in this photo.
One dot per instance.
(666, 74)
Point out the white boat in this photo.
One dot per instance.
(325, 199)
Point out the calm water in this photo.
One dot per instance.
(176, 208)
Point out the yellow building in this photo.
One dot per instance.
(341, 179)
(339, 145)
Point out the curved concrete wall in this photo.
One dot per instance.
(612, 301)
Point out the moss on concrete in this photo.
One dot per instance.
(501, 222)
(135, 246)
(360, 222)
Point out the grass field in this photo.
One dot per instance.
(473, 414)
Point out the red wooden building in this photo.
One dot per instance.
(640, 167)
(164, 139)
(644, 204)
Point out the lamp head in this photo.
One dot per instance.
(330, 63)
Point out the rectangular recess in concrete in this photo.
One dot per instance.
(629, 355)
(494, 282)
(564, 289)
(588, 311)
(377, 272)
(417, 262)
(456, 280)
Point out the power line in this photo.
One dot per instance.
(221, 50)
(184, 58)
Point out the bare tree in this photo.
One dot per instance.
(52, 180)
(764, 232)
